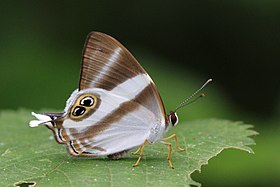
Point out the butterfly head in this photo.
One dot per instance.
(173, 118)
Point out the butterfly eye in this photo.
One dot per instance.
(173, 118)
(78, 111)
(87, 101)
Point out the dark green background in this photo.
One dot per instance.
(180, 43)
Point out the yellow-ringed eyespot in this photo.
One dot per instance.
(83, 105)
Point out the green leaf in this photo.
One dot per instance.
(31, 155)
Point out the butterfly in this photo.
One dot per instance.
(116, 107)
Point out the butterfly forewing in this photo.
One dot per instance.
(106, 63)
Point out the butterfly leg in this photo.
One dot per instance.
(176, 140)
(141, 149)
(134, 153)
(169, 153)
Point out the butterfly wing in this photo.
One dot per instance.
(119, 124)
(106, 63)
(130, 107)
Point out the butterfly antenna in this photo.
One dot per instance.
(185, 102)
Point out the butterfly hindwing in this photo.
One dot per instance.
(127, 107)
(123, 119)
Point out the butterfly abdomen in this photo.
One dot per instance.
(118, 155)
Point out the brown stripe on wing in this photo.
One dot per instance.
(108, 120)
(74, 148)
(56, 125)
(88, 153)
(106, 63)
(59, 133)
(145, 98)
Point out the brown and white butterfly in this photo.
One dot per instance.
(116, 107)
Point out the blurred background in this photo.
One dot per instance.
(180, 43)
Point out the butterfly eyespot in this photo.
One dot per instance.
(87, 101)
(78, 111)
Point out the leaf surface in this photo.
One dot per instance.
(32, 155)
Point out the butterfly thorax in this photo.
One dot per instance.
(157, 131)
